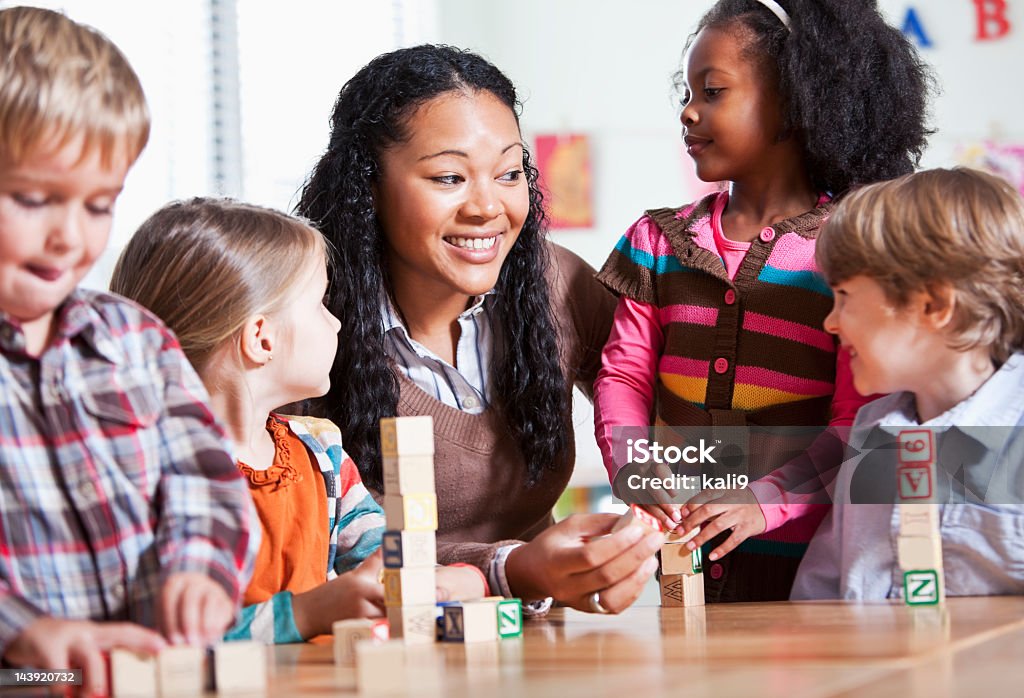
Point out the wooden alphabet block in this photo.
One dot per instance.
(239, 667)
(682, 590)
(915, 446)
(676, 559)
(407, 436)
(132, 674)
(410, 586)
(919, 552)
(915, 482)
(179, 671)
(414, 624)
(351, 630)
(409, 549)
(472, 621)
(411, 512)
(510, 618)
(408, 474)
(919, 519)
(380, 668)
(923, 587)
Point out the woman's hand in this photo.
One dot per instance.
(580, 556)
(719, 510)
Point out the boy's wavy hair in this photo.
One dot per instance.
(59, 81)
(959, 227)
(372, 113)
(852, 88)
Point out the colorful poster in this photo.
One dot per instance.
(1002, 159)
(565, 176)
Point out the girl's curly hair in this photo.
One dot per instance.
(372, 113)
(852, 88)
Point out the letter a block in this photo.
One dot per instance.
(922, 587)
(678, 590)
(411, 512)
(407, 436)
(409, 549)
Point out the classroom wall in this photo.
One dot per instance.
(604, 69)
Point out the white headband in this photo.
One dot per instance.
(776, 9)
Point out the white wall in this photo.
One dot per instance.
(604, 69)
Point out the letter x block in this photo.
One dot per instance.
(676, 559)
(472, 621)
(679, 590)
(411, 512)
(407, 436)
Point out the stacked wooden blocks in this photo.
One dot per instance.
(229, 667)
(682, 572)
(410, 542)
(919, 544)
(490, 618)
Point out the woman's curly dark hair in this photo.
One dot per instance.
(852, 88)
(371, 113)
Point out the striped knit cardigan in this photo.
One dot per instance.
(355, 522)
(744, 351)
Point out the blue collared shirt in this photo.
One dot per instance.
(854, 553)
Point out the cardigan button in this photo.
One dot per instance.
(717, 571)
(767, 235)
(730, 297)
(721, 365)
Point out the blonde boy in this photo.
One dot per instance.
(927, 274)
(118, 501)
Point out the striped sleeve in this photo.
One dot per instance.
(639, 256)
(271, 622)
(360, 520)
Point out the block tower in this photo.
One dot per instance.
(410, 541)
(919, 544)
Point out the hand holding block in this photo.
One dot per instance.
(240, 667)
(637, 515)
(132, 674)
(686, 537)
(676, 559)
(351, 630)
(407, 436)
(473, 621)
(179, 671)
(411, 512)
(408, 474)
(410, 586)
(409, 549)
(682, 590)
(414, 624)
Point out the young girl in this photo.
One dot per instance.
(720, 314)
(243, 289)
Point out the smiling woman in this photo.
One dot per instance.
(453, 305)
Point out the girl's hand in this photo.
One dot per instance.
(460, 583)
(580, 556)
(718, 510)
(357, 593)
(53, 644)
(194, 609)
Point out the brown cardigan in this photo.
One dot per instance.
(482, 497)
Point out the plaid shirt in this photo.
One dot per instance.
(113, 472)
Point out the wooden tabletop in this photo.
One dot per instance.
(973, 646)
